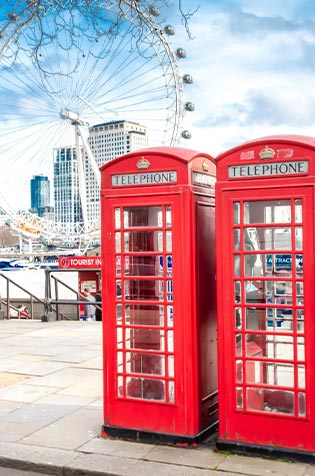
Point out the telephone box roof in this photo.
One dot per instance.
(308, 142)
(179, 153)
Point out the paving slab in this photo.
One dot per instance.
(114, 466)
(126, 449)
(25, 392)
(35, 458)
(51, 420)
(261, 467)
(196, 457)
(69, 432)
(63, 378)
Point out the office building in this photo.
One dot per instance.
(108, 141)
(40, 195)
(66, 186)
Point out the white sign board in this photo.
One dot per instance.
(144, 178)
(268, 169)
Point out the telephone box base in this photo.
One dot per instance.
(272, 452)
(158, 438)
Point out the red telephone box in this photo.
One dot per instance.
(160, 373)
(265, 281)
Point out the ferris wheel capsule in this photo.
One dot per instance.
(188, 79)
(169, 30)
(186, 134)
(181, 53)
(154, 11)
(189, 106)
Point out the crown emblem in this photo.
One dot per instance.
(143, 164)
(205, 166)
(267, 153)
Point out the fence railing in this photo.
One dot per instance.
(52, 307)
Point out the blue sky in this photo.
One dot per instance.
(253, 64)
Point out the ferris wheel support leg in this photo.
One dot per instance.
(82, 184)
(92, 160)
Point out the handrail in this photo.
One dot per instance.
(51, 306)
(31, 295)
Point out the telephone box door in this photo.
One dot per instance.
(140, 336)
(268, 301)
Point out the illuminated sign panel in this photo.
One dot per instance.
(146, 178)
(268, 169)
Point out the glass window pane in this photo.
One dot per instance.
(238, 318)
(299, 264)
(298, 238)
(300, 320)
(298, 210)
(168, 216)
(170, 361)
(139, 363)
(143, 266)
(171, 391)
(270, 373)
(253, 264)
(149, 315)
(255, 318)
(118, 289)
(238, 344)
(168, 242)
(300, 348)
(118, 266)
(236, 213)
(150, 339)
(141, 289)
(120, 362)
(144, 388)
(170, 341)
(118, 313)
(239, 398)
(237, 291)
(237, 265)
(142, 217)
(118, 242)
(278, 401)
(269, 211)
(255, 399)
(137, 241)
(170, 316)
(282, 239)
(117, 218)
(120, 386)
(119, 338)
(237, 238)
(302, 404)
(239, 371)
(301, 376)
(169, 266)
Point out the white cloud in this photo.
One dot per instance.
(253, 70)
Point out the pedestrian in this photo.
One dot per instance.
(89, 308)
(98, 311)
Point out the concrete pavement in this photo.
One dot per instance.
(51, 413)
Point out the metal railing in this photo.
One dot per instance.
(51, 306)
(7, 302)
(51, 313)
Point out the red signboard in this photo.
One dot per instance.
(79, 262)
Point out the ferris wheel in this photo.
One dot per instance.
(66, 65)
